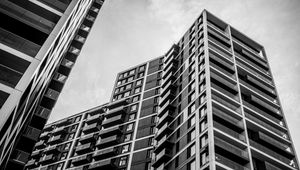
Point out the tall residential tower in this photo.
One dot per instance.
(209, 103)
(39, 43)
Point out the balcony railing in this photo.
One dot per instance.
(231, 148)
(270, 152)
(230, 163)
(105, 153)
(42, 112)
(106, 164)
(229, 131)
(32, 133)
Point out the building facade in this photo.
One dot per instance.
(209, 103)
(39, 43)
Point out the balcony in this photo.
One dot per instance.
(105, 153)
(168, 97)
(88, 138)
(81, 149)
(162, 157)
(219, 50)
(118, 103)
(170, 77)
(270, 152)
(164, 142)
(107, 142)
(164, 130)
(116, 111)
(55, 140)
(52, 94)
(82, 160)
(52, 149)
(40, 144)
(226, 118)
(93, 119)
(166, 117)
(91, 128)
(46, 159)
(35, 154)
(59, 130)
(113, 121)
(44, 135)
(106, 164)
(167, 107)
(263, 122)
(31, 164)
(111, 131)
(167, 86)
(225, 101)
(231, 164)
(231, 151)
(19, 157)
(279, 146)
(169, 69)
(32, 133)
(42, 112)
(252, 70)
(229, 131)
(79, 168)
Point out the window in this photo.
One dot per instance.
(202, 111)
(139, 82)
(60, 166)
(157, 91)
(137, 90)
(131, 117)
(129, 127)
(131, 72)
(125, 148)
(129, 79)
(202, 86)
(71, 136)
(135, 98)
(67, 146)
(191, 135)
(142, 68)
(155, 99)
(140, 74)
(133, 108)
(191, 150)
(155, 109)
(149, 153)
(192, 96)
(127, 137)
(192, 165)
(204, 157)
(192, 108)
(192, 121)
(202, 76)
(203, 125)
(126, 74)
(77, 119)
(126, 94)
(192, 76)
(151, 141)
(128, 86)
(202, 98)
(192, 86)
(203, 141)
(123, 161)
(63, 155)
(74, 127)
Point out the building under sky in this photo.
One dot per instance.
(39, 44)
(209, 102)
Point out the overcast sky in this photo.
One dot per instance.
(129, 32)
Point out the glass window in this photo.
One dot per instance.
(63, 155)
(192, 76)
(151, 141)
(127, 137)
(141, 75)
(192, 96)
(125, 74)
(137, 90)
(128, 86)
(192, 86)
(204, 157)
(131, 117)
(155, 109)
(77, 119)
(192, 165)
(203, 125)
(139, 82)
(136, 98)
(71, 136)
(191, 135)
(203, 141)
(133, 108)
(131, 72)
(202, 111)
(129, 79)
(129, 127)
(67, 146)
(123, 161)
(125, 148)
(192, 121)
(142, 68)
(192, 108)
(192, 150)
(126, 94)
(60, 166)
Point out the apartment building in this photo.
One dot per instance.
(39, 43)
(209, 103)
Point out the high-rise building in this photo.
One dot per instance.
(39, 43)
(209, 103)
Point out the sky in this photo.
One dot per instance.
(129, 32)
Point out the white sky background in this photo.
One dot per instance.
(129, 32)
